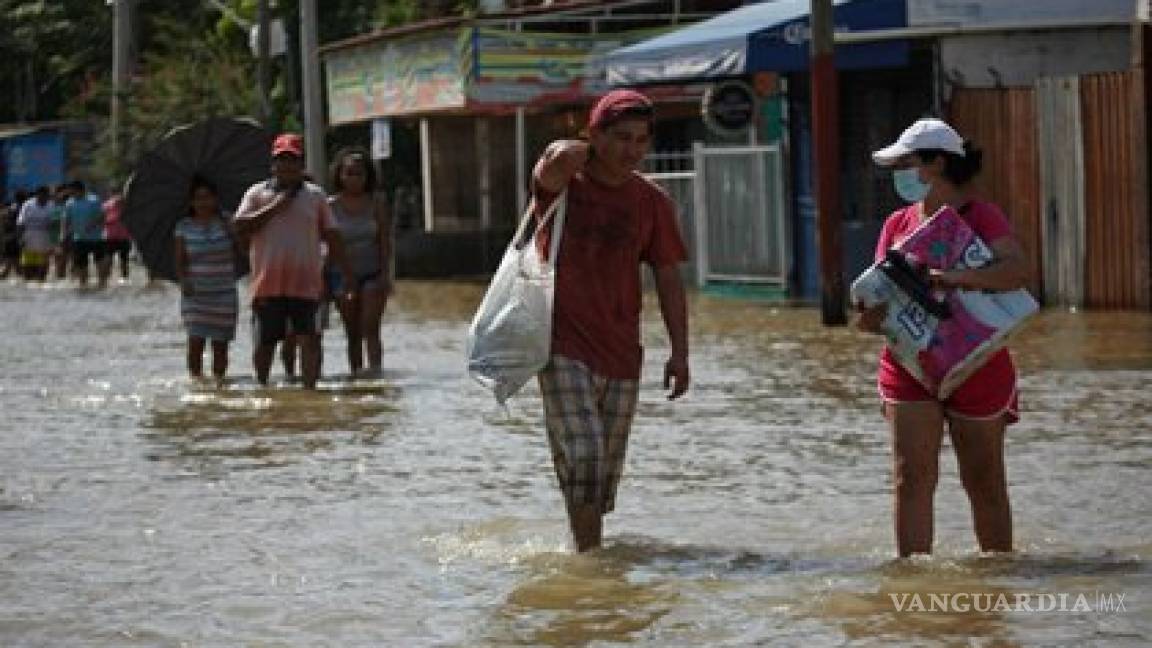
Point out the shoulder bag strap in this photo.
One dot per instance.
(556, 205)
(560, 205)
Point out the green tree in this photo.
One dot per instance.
(189, 73)
(50, 51)
(191, 61)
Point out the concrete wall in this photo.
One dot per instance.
(1019, 58)
(922, 13)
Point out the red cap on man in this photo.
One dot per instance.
(619, 103)
(288, 143)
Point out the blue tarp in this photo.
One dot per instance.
(767, 36)
(30, 160)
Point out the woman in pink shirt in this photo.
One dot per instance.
(933, 167)
(117, 242)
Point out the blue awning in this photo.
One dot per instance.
(768, 36)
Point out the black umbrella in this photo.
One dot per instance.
(232, 153)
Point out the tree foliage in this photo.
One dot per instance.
(50, 51)
(191, 77)
(190, 61)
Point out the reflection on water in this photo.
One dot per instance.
(137, 508)
(585, 600)
(234, 428)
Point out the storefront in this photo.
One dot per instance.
(481, 103)
(766, 45)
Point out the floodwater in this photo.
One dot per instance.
(139, 509)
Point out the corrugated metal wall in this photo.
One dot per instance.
(1112, 270)
(1003, 123)
(1115, 186)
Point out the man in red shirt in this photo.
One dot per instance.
(616, 220)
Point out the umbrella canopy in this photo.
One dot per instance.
(232, 153)
(758, 37)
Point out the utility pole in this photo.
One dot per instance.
(263, 47)
(313, 107)
(826, 140)
(121, 75)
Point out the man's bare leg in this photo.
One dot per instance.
(288, 355)
(587, 524)
(262, 361)
(103, 271)
(309, 359)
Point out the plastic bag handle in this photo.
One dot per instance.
(558, 228)
(559, 205)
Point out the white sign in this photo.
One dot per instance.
(923, 13)
(381, 139)
(277, 39)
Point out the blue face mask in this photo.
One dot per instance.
(909, 185)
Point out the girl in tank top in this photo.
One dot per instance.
(366, 229)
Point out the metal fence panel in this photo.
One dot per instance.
(680, 187)
(741, 220)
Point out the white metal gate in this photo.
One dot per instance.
(740, 216)
(674, 172)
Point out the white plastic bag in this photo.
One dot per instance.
(510, 338)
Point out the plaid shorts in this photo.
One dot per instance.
(588, 419)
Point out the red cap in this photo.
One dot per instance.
(288, 143)
(611, 106)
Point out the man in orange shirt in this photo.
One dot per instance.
(284, 219)
(616, 220)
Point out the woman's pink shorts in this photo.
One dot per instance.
(988, 393)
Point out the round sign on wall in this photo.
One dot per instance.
(729, 108)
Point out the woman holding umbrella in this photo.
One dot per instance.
(206, 252)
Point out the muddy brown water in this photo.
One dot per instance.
(139, 509)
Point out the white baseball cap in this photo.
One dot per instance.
(924, 134)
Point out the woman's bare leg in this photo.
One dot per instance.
(219, 359)
(195, 356)
(371, 312)
(917, 429)
(979, 445)
(350, 316)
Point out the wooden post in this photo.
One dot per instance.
(826, 136)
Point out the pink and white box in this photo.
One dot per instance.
(941, 336)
